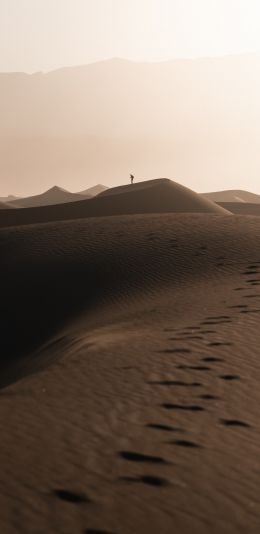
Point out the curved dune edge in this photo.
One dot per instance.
(153, 196)
(67, 269)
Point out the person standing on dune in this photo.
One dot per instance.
(132, 178)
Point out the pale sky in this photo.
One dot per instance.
(47, 34)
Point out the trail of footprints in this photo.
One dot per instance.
(195, 333)
(208, 327)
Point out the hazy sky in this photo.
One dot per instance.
(46, 34)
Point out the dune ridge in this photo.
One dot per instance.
(153, 196)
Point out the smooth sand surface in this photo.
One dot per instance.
(242, 208)
(152, 196)
(136, 342)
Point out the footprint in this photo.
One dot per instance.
(184, 338)
(234, 422)
(215, 323)
(208, 396)
(185, 443)
(176, 383)
(230, 377)
(193, 367)
(69, 496)
(137, 457)
(212, 359)
(219, 343)
(250, 272)
(250, 311)
(165, 428)
(208, 332)
(218, 317)
(239, 306)
(187, 407)
(150, 480)
(176, 351)
(239, 288)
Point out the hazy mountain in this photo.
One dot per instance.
(233, 196)
(93, 191)
(9, 198)
(196, 120)
(55, 195)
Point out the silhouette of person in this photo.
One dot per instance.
(132, 178)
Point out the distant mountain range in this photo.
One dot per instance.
(198, 120)
(55, 195)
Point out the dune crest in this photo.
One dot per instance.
(153, 196)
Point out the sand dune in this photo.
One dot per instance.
(55, 195)
(233, 196)
(138, 340)
(153, 196)
(5, 205)
(241, 208)
(9, 198)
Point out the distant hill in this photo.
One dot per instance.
(9, 198)
(233, 195)
(55, 195)
(6, 205)
(93, 191)
(153, 196)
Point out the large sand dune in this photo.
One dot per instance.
(153, 196)
(137, 338)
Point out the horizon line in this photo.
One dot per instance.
(135, 61)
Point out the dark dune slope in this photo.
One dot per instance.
(5, 206)
(61, 269)
(233, 195)
(154, 196)
(241, 208)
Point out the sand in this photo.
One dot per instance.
(130, 375)
(152, 196)
(242, 208)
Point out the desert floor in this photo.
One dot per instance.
(130, 371)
